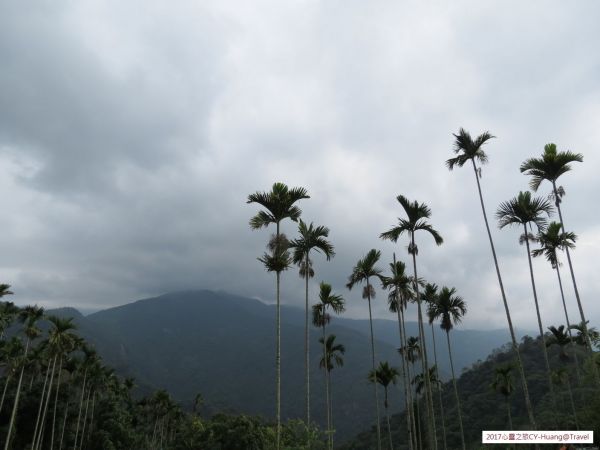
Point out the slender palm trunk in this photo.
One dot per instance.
(579, 305)
(80, 405)
(432, 435)
(62, 433)
(278, 355)
(562, 296)
(439, 389)
(373, 362)
(410, 392)
(510, 424)
(462, 433)
(13, 415)
(507, 311)
(572, 403)
(405, 378)
(541, 328)
(56, 403)
(91, 427)
(37, 420)
(419, 431)
(8, 378)
(331, 408)
(307, 345)
(326, 387)
(387, 416)
(43, 422)
(87, 404)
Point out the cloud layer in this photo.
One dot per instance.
(131, 134)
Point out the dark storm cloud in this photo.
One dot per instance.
(131, 135)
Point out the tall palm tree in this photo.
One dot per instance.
(562, 339)
(524, 211)
(279, 205)
(503, 384)
(29, 315)
(321, 317)
(430, 296)
(417, 215)
(551, 240)
(384, 375)
(550, 166)
(400, 287)
(467, 149)
(450, 309)
(362, 272)
(311, 238)
(332, 357)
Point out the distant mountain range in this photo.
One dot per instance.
(222, 346)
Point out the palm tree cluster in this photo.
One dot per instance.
(426, 423)
(526, 211)
(58, 394)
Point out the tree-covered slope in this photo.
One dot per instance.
(485, 409)
(222, 346)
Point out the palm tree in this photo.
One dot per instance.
(562, 339)
(384, 375)
(450, 309)
(550, 166)
(279, 205)
(417, 215)
(311, 238)
(321, 317)
(524, 211)
(362, 272)
(551, 240)
(467, 150)
(400, 286)
(430, 296)
(29, 315)
(332, 357)
(503, 384)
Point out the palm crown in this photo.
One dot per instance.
(412, 350)
(364, 269)
(400, 286)
(278, 204)
(449, 307)
(551, 165)
(311, 238)
(468, 149)
(384, 374)
(523, 210)
(503, 382)
(333, 353)
(551, 240)
(328, 301)
(417, 215)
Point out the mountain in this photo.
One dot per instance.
(222, 346)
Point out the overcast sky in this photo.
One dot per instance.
(131, 134)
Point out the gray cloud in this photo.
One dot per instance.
(131, 135)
